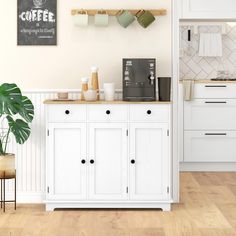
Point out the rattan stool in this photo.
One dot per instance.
(6, 175)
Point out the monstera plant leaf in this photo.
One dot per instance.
(10, 97)
(26, 109)
(20, 129)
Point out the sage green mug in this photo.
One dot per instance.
(101, 18)
(125, 18)
(145, 18)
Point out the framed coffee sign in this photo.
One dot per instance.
(37, 22)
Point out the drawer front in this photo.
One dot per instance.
(215, 90)
(66, 113)
(107, 112)
(151, 113)
(210, 114)
(214, 146)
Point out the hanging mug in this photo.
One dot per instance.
(101, 19)
(145, 18)
(81, 18)
(125, 18)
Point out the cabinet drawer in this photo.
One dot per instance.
(66, 113)
(214, 146)
(210, 114)
(107, 112)
(152, 113)
(219, 90)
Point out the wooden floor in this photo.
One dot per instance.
(208, 207)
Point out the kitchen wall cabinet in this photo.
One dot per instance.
(105, 157)
(210, 9)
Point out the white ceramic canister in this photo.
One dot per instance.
(109, 91)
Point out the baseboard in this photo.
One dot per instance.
(214, 167)
(32, 197)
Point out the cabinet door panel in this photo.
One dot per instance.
(149, 149)
(210, 114)
(210, 146)
(108, 149)
(67, 148)
(210, 9)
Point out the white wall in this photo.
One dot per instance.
(50, 67)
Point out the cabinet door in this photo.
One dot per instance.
(149, 161)
(108, 161)
(210, 9)
(66, 168)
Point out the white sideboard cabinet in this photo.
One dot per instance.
(108, 156)
(208, 9)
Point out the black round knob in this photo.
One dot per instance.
(83, 161)
(132, 161)
(67, 112)
(91, 161)
(149, 112)
(108, 112)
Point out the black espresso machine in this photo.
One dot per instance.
(139, 79)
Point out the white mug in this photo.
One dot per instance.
(81, 19)
(109, 91)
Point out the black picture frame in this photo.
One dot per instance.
(36, 22)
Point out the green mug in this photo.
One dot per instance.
(145, 18)
(125, 18)
(101, 19)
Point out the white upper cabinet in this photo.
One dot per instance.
(208, 9)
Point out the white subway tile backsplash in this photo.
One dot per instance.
(194, 67)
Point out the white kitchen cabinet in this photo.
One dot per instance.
(89, 154)
(66, 165)
(208, 9)
(149, 161)
(108, 161)
(210, 146)
(214, 90)
(210, 114)
(209, 134)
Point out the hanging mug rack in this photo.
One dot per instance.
(110, 12)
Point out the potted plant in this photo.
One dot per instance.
(16, 112)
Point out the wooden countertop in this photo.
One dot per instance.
(100, 102)
(208, 81)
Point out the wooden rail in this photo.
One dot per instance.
(110, 12)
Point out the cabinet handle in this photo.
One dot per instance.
(92, 161)
(215, 86)
(67, 112)
(215, 134)
(83, 161)
(132, 161)
(108, 112)
(149, 112)
(223, 102)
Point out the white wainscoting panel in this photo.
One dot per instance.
(30, 157)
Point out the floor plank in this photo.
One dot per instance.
(207, 208)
